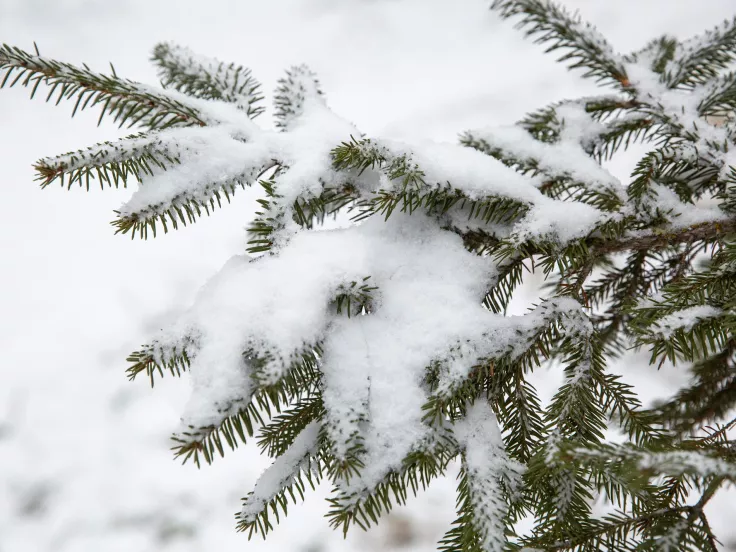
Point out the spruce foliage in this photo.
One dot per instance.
(649, 263)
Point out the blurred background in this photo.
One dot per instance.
(84, 454)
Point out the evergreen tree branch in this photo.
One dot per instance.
(237, 424)
(700, 58)
(654, 264)
(615, 532)
(582, 44)
(363, 506)
(127, 102)
(153, 360)
(303, 460)
(207, 78)
(559, 162)
(110, 163)
(656, 54)
(720, 97)
(294, 92)
(279, 433)
(710, 396)
(413, 192)
(705, 231)
(186, 206)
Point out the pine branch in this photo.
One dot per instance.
(127, 102)
(623, 132)
(684, 458)
(710, 396)
(283, 479)
(672, 166)
(207, 440)
(546, 124)
(152, 360)
(689, 334)
(238, 414)
(297, 89)
(700, 58)
(571, 172)
(465, 533)
(720, 97)
(310, 210)
(598, 247)
(279, 434)
(207, 78)
(413, 192)
(705, 231)
(621, 400)
(583, 46)
(654, 266)
(509, 278)
(621, 123)
(307, 210)
(614, 532)
(110, 163)
(364, 506)
(355, 298)
(184, 207)
(656, 54)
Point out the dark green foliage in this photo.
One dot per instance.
(580, 42)
(110, 163)
(419, 469)
(311, 471)
(146, 361)
(127, 102)
(414, 193)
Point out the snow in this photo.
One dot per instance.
(306, 150)
(685, 319)
(425, 306)
(679, 105)
(565, 158)
(236, 152)
(75, 433)
(488, 468)
(282, 472)
(683, 214)
(473, 172)
(558, 220)
(207, 156)
(480, 176)
(428, 299)
(281, 304)
(677, 463)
